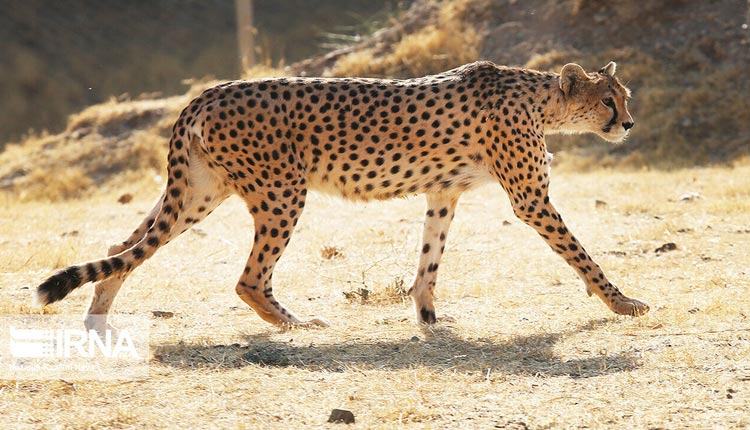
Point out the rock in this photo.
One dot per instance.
(691, 196)
(162, 314)
(669, 246)
(199, 232)
(125, 198)
(341, 416)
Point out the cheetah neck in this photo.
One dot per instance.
(536, 95)
(552, 110)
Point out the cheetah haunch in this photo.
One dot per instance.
(272, 140)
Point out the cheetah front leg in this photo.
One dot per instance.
(440, 211)
(539, 213)
(274, 221)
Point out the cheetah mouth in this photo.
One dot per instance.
(614, 136)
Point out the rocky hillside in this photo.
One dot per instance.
(60, 56)
(686, 62)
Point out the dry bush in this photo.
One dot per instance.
(120, 115)
(552, 61)
(431, 49)
(100, 143)
(15, 308)
(434, 49)
(118, 143)
(395, 292)
(329, 252)
(265, 70)
(56, 183)
(63, 171)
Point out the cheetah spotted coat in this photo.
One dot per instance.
(272, 140)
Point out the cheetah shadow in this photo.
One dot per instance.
(439, 348)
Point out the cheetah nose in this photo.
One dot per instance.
(627, 125)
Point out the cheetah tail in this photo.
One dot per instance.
(59, 285)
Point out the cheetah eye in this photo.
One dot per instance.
(607, 101)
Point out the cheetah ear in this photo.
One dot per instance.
(609, 69)
(570, 75)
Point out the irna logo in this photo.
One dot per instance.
(59, 347)
(69, 343)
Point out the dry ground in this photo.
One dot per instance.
(527, 349)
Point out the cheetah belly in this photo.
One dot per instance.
(381, 184)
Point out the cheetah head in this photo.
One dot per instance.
(595, 102)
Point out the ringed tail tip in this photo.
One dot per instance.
(57, 286)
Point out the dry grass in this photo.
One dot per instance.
(527, 348)
(116, 137)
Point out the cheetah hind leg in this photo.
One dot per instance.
(274, 224)
(205, 192)
(106, 291)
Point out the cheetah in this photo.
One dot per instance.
(272, 140)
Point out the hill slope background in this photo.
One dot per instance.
(59, 57)
(686, 63)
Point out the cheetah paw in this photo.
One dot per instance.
(632, 307)
(99, 324)
(318, 322)
(313, 323)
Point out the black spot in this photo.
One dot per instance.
(106, 267)
(91, 272)
(117, 263)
